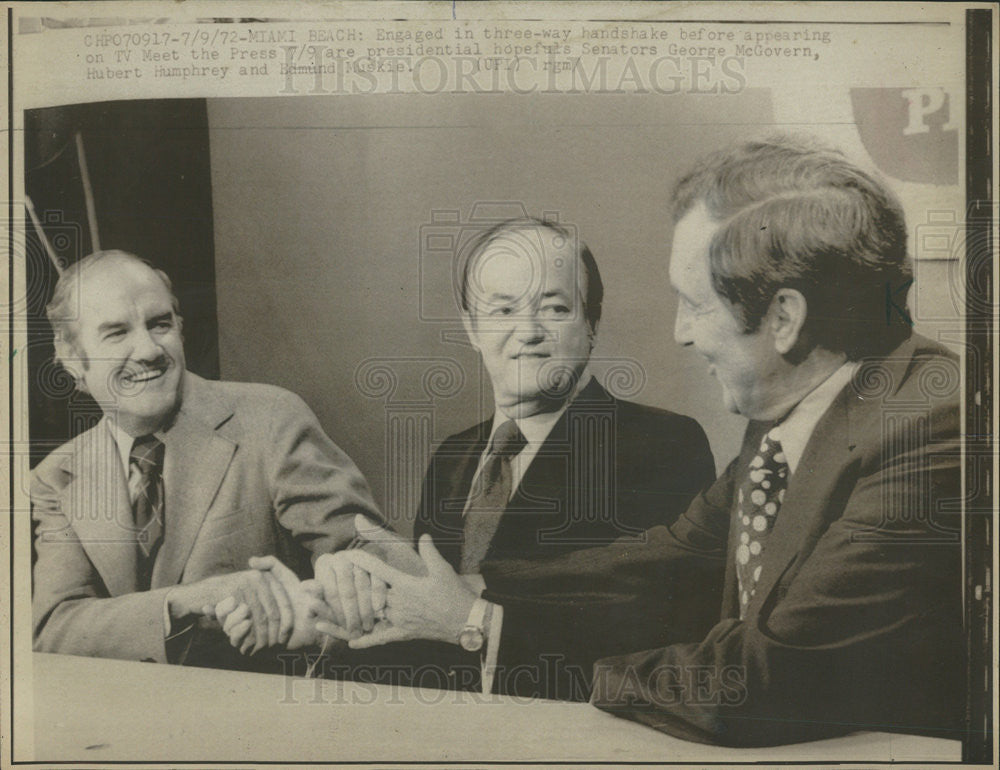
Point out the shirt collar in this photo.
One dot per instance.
(124, 440)
(795, 430)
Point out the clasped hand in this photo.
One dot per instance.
(430, 602)
(385, 592)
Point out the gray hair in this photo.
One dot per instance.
(62, 312)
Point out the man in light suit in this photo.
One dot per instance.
(835, 526)
(581, 467)
(149, 519)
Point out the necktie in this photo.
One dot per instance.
(758, 502)
(145, 488)
(489, 496)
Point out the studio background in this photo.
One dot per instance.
(321, 212)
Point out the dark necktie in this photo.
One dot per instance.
(489, 496)
(758, 502)
(145, 486)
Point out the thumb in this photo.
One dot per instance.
(263, 562)
(283, 573)
(372, 531)
(433, 559)
(312, 588)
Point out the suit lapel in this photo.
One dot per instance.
(550, 495)
(813, 490)
(457, 474)
(102, 519)
(195, 461)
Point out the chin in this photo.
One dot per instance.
(729, 402)
(152, 410)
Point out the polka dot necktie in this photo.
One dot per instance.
(758, 502)
(490, 495)
(145, 488)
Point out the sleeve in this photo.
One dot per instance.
(573, 609)
(681, 466)
(73, 613)
(316, 488)
(489, 667)
(865, 635)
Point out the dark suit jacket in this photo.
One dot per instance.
(249, 472)
(609, 468)
(856, 623)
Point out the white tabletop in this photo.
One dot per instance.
(95, 710)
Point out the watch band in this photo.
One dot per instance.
(477, 614)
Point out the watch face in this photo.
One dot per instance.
(471, 639)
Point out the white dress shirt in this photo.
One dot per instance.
(797, 428)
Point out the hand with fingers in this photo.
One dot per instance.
(433, 605)
(307, 607)
(354, 596)
(269, 609)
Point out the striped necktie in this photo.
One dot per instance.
(145, 488)
(490, 495)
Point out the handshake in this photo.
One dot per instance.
(383, 591)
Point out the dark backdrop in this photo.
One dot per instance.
(148, 163)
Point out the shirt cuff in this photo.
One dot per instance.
(489, 663)
(475, 582)
(177, 636)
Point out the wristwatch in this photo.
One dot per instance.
(473, 635)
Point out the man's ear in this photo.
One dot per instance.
(787, 317)
(69, 358)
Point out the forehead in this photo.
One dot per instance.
(689, 265)
(524, 261)
(117, 289)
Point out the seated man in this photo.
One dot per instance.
(562, 464)
(147, 520)
(841, 607)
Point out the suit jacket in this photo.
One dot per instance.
(248, 472)
(608, 468)
(856, 621)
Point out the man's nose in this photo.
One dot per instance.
(530, 330)
(144, 346)
(682, 327)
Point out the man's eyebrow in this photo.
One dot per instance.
(555, 293)
(110, 326)
(160, 317)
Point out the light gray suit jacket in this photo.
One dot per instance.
(248, 471)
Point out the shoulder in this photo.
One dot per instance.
(260, 400)
(915, 390)
(466, 439)
(657, 424)
(56, 470)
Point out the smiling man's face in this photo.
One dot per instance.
(526, 317)
(130, 341)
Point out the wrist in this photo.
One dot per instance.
(187, 601)
(177, 604)
(473, 633)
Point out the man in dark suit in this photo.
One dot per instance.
(841, 596)
(562, 464)
(149, 519)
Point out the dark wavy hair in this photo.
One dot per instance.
(794, 213)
